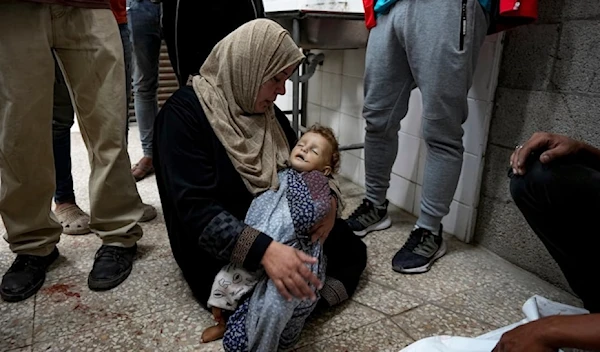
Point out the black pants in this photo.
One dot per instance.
(561, 203)
(192, 28)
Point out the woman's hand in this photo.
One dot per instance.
(286, 266)
(553, 145)
(321, 230)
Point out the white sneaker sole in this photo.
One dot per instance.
(425, 268)
(385, 223)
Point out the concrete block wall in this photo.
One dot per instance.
(549, 81)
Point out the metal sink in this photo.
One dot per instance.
(324, 30)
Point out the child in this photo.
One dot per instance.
(287, 215)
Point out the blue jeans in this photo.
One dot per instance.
(63, 118)
(144, 23)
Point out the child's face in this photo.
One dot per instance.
(312, 152)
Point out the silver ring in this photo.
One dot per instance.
(519, 147)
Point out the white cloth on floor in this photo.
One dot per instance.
(534, 308)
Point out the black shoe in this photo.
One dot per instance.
(111, 267)
(25, 276)
(368, 217)
(419, 252)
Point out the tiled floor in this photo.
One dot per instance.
(469, 291)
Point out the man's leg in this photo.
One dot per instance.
(443, 63)
(92, 57)
(144, 23)
(127, 55)
(63, 117)
(149, 211)
(388, 83)
(73, 220)
(26, 161)
(561, 202)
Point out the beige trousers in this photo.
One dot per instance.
(88, 46)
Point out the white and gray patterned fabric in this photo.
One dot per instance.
(268, 321)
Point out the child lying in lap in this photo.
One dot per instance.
(287, 215)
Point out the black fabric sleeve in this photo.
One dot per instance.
(189, 176)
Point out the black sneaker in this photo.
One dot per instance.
(111, 267)
(368, 217)
(25, 276)
(419, 252)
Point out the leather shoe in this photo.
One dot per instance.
(111, 267)
(25, 276)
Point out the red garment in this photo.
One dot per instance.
(370, 19)
(506, 15)
(514, 13)
(119, 9)
(519, 8)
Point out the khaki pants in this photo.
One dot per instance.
(88, 46)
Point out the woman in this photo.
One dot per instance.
(220, 143)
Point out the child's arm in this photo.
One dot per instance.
(324, 204)
(322, 229)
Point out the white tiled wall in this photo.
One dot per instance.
(335, 99)
(315, 5)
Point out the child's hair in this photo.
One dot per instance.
(328, 134)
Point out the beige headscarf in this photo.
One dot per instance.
(227, 88)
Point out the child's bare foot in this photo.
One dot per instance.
(213, 333)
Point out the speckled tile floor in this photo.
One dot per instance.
(468, 292)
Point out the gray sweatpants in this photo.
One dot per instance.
(419, 42)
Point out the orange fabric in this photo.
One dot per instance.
(119, 9)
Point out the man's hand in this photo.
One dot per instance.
(321, 230)
(286, 266)
(553, 145)
(530, 337)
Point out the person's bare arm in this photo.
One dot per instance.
(575, 331)
(552, 333)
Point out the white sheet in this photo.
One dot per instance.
(534, 308)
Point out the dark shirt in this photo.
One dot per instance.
(204, 198)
